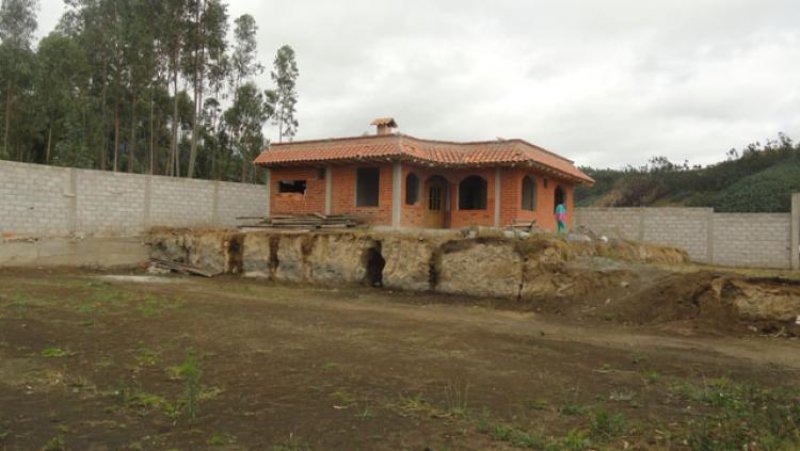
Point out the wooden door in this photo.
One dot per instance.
(435, 215)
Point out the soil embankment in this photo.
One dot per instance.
(606, 281)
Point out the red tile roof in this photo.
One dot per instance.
(397, 147)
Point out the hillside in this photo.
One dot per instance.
(759, 179)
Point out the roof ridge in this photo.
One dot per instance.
(325, 140)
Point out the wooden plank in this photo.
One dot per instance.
(179, 267)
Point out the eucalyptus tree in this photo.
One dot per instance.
(204, 55)
(17, 26)
(245, 121)
(285, 74)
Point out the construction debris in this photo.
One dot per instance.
(309, 222)
(182, 269)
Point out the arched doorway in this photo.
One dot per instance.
(437, 201)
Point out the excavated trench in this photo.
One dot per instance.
(543, 273)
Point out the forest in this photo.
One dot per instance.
(164, 87)
(759, 178)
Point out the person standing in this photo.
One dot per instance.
(561, 217)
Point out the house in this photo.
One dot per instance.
(391, 179)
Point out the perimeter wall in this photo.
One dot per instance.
(38, 200)
(765, 240)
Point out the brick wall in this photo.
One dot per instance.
(47, 200)
(313, 201)
(728, 239)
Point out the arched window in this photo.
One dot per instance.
(528, 194)
(472, 193)
(412, 189)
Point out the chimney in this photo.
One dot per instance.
(384, 125)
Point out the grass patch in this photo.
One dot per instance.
(516, 437)
(605, 426)
(221, 439)
(55, 353)
(745, 416)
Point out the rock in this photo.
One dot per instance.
(407, 263)
(291, 260)
(578, 238)
(338, 258)
(256, 254)
(480, 269)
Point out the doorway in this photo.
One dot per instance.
(558, 197)
(438, 199)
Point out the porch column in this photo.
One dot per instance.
(497, 191)
(397, 191)
(328, 190)
(269, 191)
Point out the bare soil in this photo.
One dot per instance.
(88, 362)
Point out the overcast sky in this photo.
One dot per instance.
(605, 83)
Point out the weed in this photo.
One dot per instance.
(330, 366)
(572, 410)
(292, 444)
(343, 397)
(575, 440)
(456, 394)
(747, 417)
(55, 444)
(146, 357)
(190, 370)
(55, 353)
(605, 426)
(605, 368)
(652, 376)
(516, 437)
(220, 439)
(365, 414)
(4, 433)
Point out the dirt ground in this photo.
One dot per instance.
(95, 362)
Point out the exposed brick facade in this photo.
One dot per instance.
(343, 195)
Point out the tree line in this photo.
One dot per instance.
(758, 178)
(148, 86)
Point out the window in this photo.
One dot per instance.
(472, 193)
(412, 189)
(528, 194)
(368, 181)
(292, 186)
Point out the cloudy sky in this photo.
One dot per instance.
(606, 83)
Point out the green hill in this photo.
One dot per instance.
(760, 179)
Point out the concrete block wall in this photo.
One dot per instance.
(183, 202)
(37, 200)
(752, 239)
(109, 203)
(685, 228)
(759, 240)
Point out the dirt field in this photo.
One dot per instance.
(91, 362)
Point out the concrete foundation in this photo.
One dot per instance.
(86, 252)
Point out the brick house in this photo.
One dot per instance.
(391, 179)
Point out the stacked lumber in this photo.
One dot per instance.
(309, 222)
